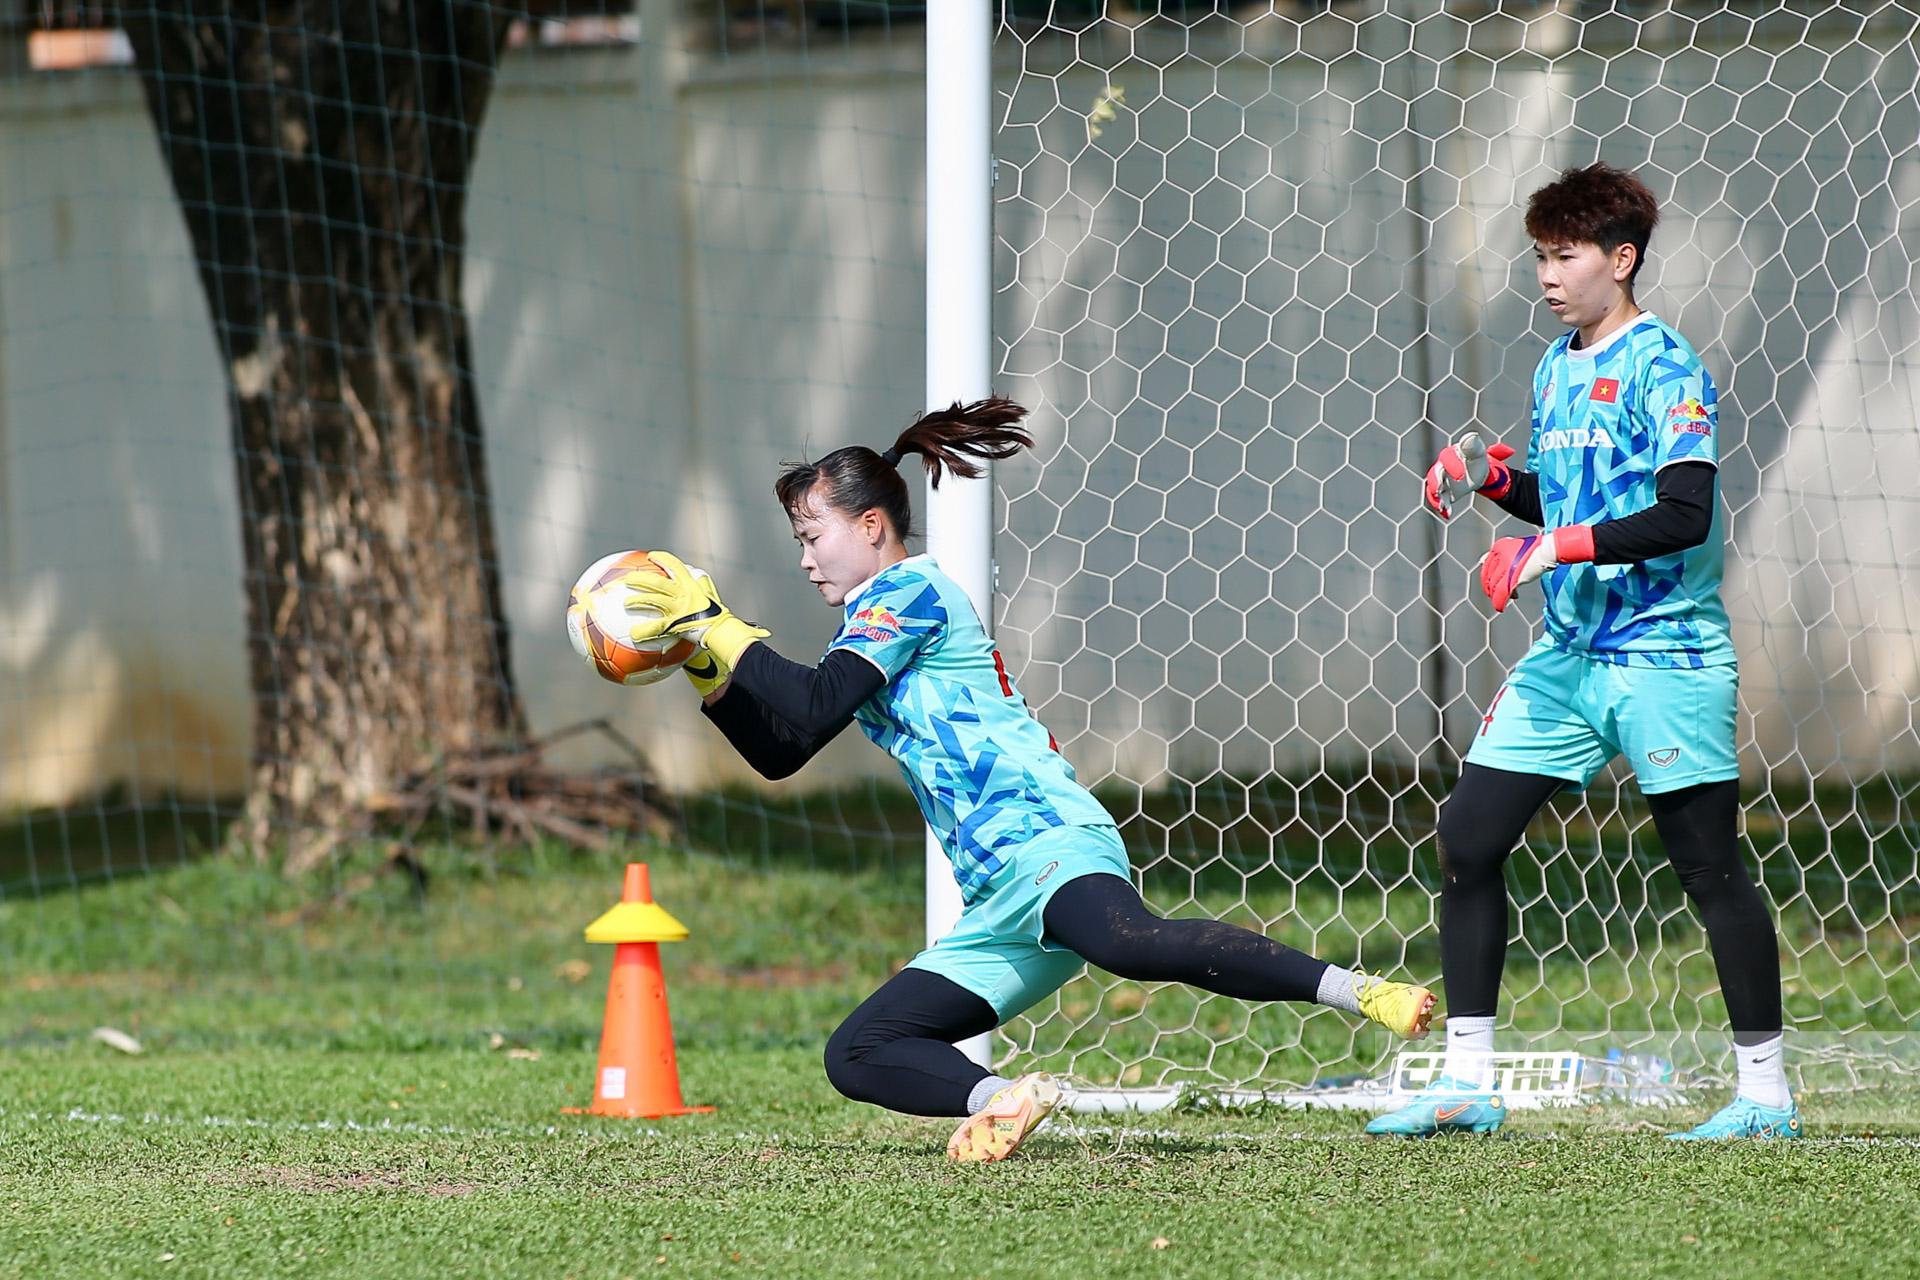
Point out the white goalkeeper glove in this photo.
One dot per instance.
(1464, 468)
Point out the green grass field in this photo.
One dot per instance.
(369, 1083)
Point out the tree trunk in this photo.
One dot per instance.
(320, 152)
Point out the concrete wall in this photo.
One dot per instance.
(1234, 302)
(1231, 310)
(682, 271)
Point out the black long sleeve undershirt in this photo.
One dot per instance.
(774, 750)
(1679, 519)
(1523, 498)
(778, 714)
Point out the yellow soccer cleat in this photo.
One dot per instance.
(996, 1131)
(1400, 1007)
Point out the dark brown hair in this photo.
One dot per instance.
(856, 478)
(1596, 205)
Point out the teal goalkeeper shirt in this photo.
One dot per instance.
(1605, 421)
(986, 774)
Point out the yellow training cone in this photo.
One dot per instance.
(638, 1076)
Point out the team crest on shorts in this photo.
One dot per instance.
(1664, 757)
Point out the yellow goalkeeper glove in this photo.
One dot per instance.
(705, 673)
(686, 603)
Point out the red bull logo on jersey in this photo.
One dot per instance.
(875, 623)
(1576, 438)
(1690, 417)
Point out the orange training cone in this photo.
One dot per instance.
(638, 1076)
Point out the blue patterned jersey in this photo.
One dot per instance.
(986, 773)
(1605, 421)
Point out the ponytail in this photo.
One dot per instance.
(956, 439)
(950, 438)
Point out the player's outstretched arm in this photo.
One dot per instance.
(706, 674)
(676, 601)
(814, 702)
(1522, 498)
(772, 749)
(776, 713)
(779, 714)
(1680, 519)
(1511, 563)
(1469, 466)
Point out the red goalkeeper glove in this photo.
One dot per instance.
(1464, 468)
(1514, 562)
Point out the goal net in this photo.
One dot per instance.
(1255, 264)
(596, 267)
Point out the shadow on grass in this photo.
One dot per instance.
(113, 837)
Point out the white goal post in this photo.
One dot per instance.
(1249, 263)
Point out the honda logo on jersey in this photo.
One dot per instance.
(1576, 438)
(1605, 390)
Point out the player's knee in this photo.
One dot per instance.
(844, 1058)
(844, 1075)
(1467, 855)
(1697, 880)
(1711, 883)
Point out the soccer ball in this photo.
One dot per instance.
(599, 625)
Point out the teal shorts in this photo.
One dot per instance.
(1564, 715)
(995, 949)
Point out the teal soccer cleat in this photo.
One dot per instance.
(1446, 1106)
(1743, 1118)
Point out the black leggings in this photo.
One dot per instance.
(1484, 818)
(897, 1049)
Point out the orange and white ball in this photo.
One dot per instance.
(599, 624)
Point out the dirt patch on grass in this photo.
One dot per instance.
(135, 979)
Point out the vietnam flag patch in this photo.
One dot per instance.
(1605, 390)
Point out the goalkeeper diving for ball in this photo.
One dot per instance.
(1040, 865)
(1636, 659)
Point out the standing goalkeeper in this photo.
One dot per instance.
(1636, 659)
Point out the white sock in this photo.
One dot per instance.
(1763, 1073)
(983, 1093)
(1336, 989)
(1470, 1051)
